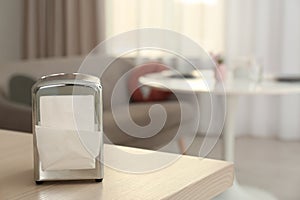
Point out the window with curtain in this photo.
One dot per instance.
(200, 20)
(74, 27)
(54, 28)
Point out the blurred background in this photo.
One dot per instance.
(39, 37)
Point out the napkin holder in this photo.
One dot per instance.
(67, 128)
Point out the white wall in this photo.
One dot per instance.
(11, 29)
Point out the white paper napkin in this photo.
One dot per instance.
(68, 112)
(63, 149)
(66, 136)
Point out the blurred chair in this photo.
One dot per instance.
(16, 108)
(14, 116)
(20, 89)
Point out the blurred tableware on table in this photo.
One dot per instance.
(248, 69)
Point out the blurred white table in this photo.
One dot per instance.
(233, 90)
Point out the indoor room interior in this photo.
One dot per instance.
(246, 111)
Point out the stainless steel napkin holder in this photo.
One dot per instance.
(67, 125)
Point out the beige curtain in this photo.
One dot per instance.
(62, 27)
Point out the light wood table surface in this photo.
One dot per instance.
(187, 178)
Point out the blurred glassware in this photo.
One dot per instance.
(247, 69)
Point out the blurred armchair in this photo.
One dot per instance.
(14, 116)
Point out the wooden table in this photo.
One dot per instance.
(187, 178)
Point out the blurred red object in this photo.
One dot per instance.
(142, 93)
